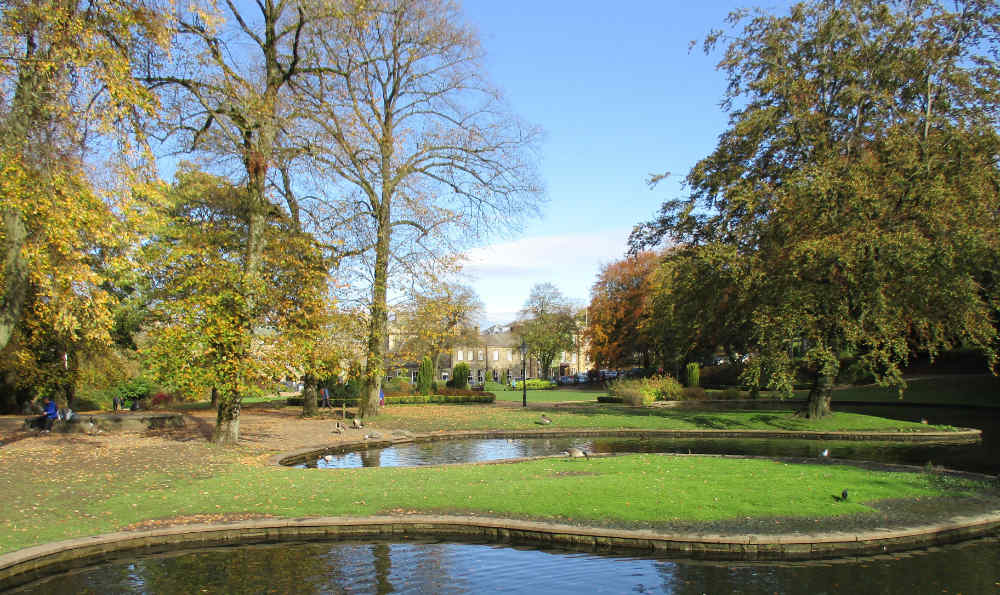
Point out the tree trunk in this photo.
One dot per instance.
(820, 396)
(309, 389)
(227, 422)
(215, 397)
(374, 366)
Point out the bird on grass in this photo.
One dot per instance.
(339, 428)
(544, 421)
(356, 423)
(842, 497)
(575, 453)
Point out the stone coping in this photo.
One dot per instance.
(963, 436)
(31, 563)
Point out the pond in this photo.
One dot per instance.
(431, 567)
(983, 457)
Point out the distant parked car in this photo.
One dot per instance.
(566, 380)
(581, 378)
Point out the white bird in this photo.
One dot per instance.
(825, 453)
(328, 458)
(357, 423)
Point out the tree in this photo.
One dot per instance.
(425, 376)
(617, 309)
(460, 375)
(437, 319)
(856, 189)
(420, 149)
(200, 338)
(66, 92)
(230, 94)
(547, 324)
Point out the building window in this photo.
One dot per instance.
(510, 355)
(496, 355)
(470, 356)
(574, 358)
(459, 356)
(480, 356)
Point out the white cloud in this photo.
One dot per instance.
(502, 274)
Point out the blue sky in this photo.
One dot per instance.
(619, 97)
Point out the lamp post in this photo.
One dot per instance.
(524, 377)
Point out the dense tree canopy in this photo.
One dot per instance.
(854, 197)
(618, 307)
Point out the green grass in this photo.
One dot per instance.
(429, 418)
(630, 491)
(556, 395)
(946, 390)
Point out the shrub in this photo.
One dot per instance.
(540, 384)
(161, 400)
(730, 394)
(645, 390)
(693, 393)
(667, 388)
(85, 404)
(397, 386)
(692, 374)
(459, 376)
(718, 376)
(425, 376)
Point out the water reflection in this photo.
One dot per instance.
(415, 567)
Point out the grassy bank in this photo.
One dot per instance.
(555, 395)
(981, 390)
(429, 418)
(100, 492)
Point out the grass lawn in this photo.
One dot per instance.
(101, 491)
(429, 418)
(947, 390)
(555, 395)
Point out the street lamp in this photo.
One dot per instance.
(524, 376)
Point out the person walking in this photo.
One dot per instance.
(325, 394)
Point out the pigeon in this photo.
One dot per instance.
(575, 453)
(544, 421)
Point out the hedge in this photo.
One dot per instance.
(473, 397)
(610, 400)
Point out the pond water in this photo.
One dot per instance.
(983, 457)
(429, 567)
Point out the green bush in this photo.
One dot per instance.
(459, 376)
(692, 374)
(425, 376)
(639, 391)
(397, 386)
(719, 376)
(85, 404)
(540, 384)
(730, 394)
(455, 396)
(693, 393)
(667, 388)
